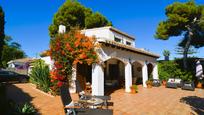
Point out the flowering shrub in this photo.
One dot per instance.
(67, 50)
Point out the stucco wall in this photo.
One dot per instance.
(98, 33)
(122, 37)
(48, 61)
(106, 53)
(107, 34)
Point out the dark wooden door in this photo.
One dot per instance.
(113, 71)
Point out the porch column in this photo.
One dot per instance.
(97, 80)
(155, 72)
(128, 77)
(144, 74)
(72, 89)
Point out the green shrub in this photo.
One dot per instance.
(191, 64)
(171, 69)
(135, 87)
(40, 75)
(27, 109)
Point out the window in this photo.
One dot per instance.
(128, 43)
(117, 39)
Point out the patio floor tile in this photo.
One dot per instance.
(153, 101)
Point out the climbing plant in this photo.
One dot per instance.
(67, 50)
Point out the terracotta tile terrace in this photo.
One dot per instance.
(149, 101)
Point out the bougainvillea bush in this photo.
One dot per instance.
(67, 50)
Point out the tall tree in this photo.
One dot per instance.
(2, 35)
(72, 14)
(11, 50)
(183, 19)
(179, 50)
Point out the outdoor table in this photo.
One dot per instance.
(94, 101)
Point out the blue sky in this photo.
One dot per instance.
(27, 21)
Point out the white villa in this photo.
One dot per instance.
(121, 63)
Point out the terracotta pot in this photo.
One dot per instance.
(149, 86)
(199, 85)
(164, 82)
(132, 90)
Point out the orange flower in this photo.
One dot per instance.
(75, 61)
(63, 52)
(77, 43)
(78, 35)
(80, 62)
(67, 46)
(89, 61)
(83, 56)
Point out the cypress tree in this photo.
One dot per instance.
(2, 35)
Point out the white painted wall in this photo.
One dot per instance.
(62, 29)
(103, 33)
(11, 65)
(122, 37)
(106, 34)
(48, 61)
(106, 53)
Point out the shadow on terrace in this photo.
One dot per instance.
(12, 99)
(196, 103)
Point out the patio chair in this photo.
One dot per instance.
(178, 82)
(75, 108)
(156, 82)
(70, 107)
(171, 83)
(188, 86)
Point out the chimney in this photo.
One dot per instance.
(62, 29)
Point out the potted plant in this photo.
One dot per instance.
(164, 81)
(134, 89)
(199, 84)
(149, 83)
(166, 54)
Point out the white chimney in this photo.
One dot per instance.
(62, 29)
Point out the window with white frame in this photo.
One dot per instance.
(117, 39)
(128, 43)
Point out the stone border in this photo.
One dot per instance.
(34, 87)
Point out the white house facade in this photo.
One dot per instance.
(121, 64)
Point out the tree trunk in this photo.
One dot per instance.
(186, 48)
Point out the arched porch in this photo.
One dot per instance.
(137, 72)
(114, 75)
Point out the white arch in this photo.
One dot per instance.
(117, 58)
(139, 61)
